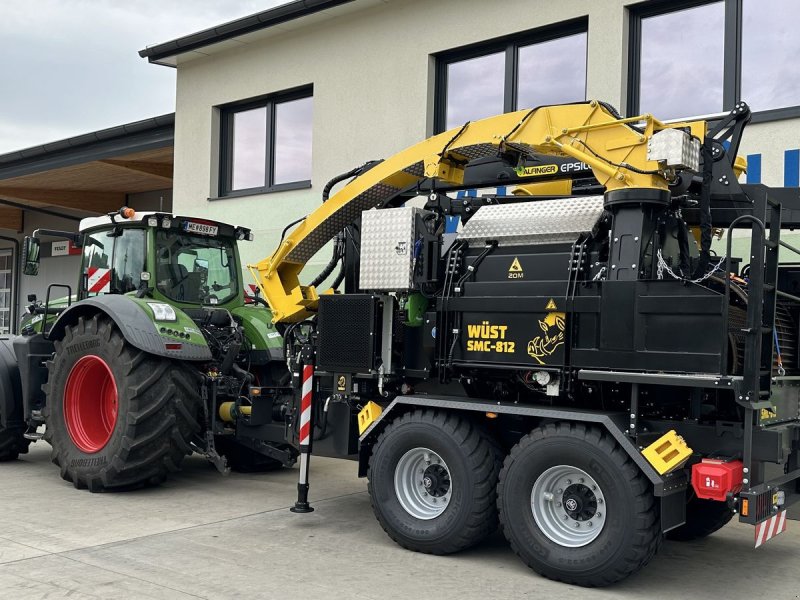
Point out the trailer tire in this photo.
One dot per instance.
(117, 417)
(461, 475)
(703, 517)
(577, 470)
(12, 444)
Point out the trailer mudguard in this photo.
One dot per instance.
(178, 339)
(10, 391)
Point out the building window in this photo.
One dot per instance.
(266, 144)
(697, 57)
(546, 66)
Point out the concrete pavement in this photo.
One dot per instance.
(204, 536)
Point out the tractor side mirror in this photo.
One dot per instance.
(30, 256)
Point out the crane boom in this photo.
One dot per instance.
(615, 148)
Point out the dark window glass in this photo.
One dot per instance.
(770, 51)
(528, 70)
(128, 264)
(195, 269)
(552, 72)
(266, 145)
(249, 149)
(113, 261)
(293, 140)
(475, 88)
(681, 72)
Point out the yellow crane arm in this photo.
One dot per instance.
(588, 132)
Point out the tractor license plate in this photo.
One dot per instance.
(201, 228)
(772, 527)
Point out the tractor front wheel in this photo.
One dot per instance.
(116, 416)
(12, 444)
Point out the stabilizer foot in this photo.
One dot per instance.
(302, 506)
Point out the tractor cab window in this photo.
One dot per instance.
(196, 269)
(113, 261)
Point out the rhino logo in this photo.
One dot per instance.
(552, 337)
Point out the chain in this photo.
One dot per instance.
(663, 266)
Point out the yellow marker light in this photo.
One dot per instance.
(491, 415)
(745, 507)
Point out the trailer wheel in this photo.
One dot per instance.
(12, 444)
(575, 507)
(432, 482)
(703, 517)
(116, 417)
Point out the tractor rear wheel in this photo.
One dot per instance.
(432, 482)
(703, 517)
(117, 417)
(12, 444)
(575, 507)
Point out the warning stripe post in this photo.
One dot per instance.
(306, 437)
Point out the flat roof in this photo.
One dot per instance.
(166, 52)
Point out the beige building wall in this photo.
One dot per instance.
(373, 72)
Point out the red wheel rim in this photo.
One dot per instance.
(90, 404)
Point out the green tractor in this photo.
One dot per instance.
(159, 354)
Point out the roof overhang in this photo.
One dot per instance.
(87, 174)
(246, 29)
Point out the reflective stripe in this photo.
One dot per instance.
(305, 406)
(770, 528)
(99, 280)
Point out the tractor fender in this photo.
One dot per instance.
(137, 327)
(10, 389)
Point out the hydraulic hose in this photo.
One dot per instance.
(337, 255)
(338, 250)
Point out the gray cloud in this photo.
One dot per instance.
(71, 66)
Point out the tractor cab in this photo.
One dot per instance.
(158, 256)
(175, 259)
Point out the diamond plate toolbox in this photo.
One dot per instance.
(387, 248)
(535, 222)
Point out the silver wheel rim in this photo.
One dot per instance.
(568, 506)
(422, 483)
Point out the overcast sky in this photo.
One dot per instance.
(69, 67)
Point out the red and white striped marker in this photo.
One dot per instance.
(766, 530)
(98, 280)
(305, 407)
(306, 427)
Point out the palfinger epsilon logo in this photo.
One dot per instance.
(552, 337)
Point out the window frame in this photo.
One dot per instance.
(732, 54)
(510, 45)
(227, 113)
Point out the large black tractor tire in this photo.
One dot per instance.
(433, 480)
(575, 507)
(243, 459)
(117, 418)
(703, 517)
(12, 444)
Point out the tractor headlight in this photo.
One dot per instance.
(162, 312)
